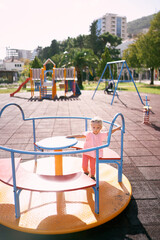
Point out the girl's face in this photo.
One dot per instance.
(96, 127)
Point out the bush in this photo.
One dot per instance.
(3, 81)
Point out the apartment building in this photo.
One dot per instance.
(114, 24)
(18, 53)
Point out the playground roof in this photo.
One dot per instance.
(47, 61)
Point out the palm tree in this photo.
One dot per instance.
(81, 59)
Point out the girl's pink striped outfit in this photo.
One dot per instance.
(92, 140)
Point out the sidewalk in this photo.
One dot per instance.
(156, 82)
(141, 219)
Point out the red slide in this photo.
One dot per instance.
(19, 88)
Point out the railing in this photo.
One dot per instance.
(69, 152)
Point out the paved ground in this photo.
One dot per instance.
(141, 219)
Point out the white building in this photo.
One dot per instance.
(114, 24)
(13, 65)
(35, 52)
(1, 65)
(21, 53)
(124, 45)
(18, 53)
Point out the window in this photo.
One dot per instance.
(18, 65)
(118, 26)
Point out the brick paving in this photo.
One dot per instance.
(141, 219)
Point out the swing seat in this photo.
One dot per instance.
(109, 88)
(109, 91)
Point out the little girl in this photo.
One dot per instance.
(94, 138)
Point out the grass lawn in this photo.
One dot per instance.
(9, 90)
(142, 87)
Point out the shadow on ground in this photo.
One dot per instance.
(124, 226)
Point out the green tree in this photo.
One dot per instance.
(145, 51)
(66, 44)
(44, 53)
(50, 51)
(57, 59)
(82, 41)
(81, 59)
(102, 63)
(94, 38)
(54, 48)
(36, 63)
(149, 46)
(130, 55)
(99, 42)
(111, 41)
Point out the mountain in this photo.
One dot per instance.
(139, 25)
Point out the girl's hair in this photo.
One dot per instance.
(96, 120)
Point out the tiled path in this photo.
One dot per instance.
(141, 219)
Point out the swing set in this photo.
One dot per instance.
(123, 64)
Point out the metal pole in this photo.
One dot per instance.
(15, 190)
(115, 91)
(100, 80)
(134, 84)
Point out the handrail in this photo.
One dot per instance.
(62, 117)
(113, 123)
(51, 153)
(11, 104)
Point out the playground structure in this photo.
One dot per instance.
(112, 190)
(47, 88)
(119, 74)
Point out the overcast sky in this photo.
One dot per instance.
(26, 24)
